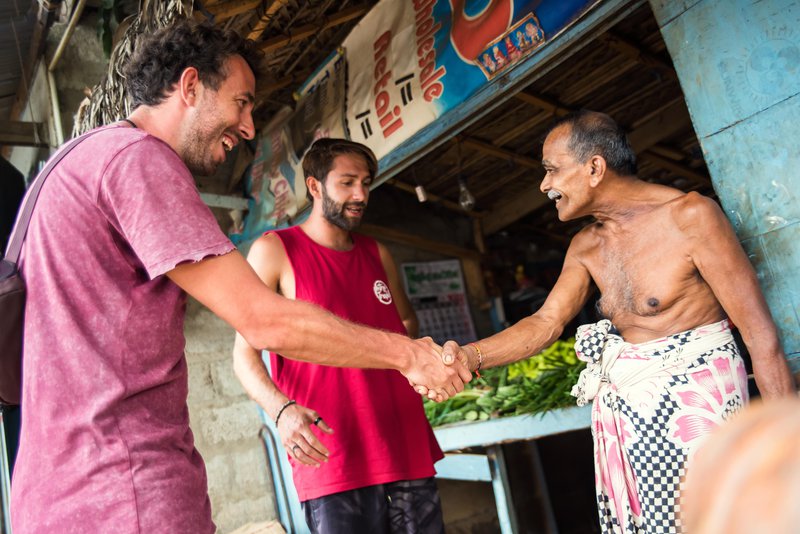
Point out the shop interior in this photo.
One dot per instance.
(624, 71)
(473, 195)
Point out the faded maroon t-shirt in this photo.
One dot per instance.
(106, 444)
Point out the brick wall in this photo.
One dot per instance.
(225, 424)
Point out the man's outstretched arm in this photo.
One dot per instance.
(537, 331)
(229, 287)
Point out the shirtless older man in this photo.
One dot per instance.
(663, 368)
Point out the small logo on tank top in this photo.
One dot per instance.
(382, 292)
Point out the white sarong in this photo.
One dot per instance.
(653, 405)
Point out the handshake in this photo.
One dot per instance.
(439, 372)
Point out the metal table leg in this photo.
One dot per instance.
(502, 490)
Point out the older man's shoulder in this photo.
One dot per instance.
(693, 209)
(587, 237)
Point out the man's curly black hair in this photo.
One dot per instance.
(160, 59)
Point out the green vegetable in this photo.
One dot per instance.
(534, 385)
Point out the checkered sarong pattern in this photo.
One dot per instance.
(646, 417)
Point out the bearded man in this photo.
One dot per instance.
(118, 238)
(373, 475)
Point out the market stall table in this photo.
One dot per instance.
(491, 435)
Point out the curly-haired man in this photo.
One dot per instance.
(118, 237)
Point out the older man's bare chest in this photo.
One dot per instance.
(641, 270)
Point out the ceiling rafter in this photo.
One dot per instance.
(498, 152)
(265, 16)
(638, 54)
(231, 8)
(449, 204)
(308, 30)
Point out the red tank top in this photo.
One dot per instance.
(380, 431)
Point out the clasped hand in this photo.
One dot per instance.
(436, 374)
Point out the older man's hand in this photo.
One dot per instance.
(453, 352)
(430, 376)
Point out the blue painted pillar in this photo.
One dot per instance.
(738, 62)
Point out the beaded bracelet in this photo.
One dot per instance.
(285, 405)
(480, 359)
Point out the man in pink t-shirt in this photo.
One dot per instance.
(364, 430)
(118, 237)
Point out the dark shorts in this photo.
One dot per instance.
(404, 507)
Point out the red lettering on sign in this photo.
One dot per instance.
(381, 103)
(380, 67)
(433, 91)
(389, 119)
(382, 44)
(426, 49)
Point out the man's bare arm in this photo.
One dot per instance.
(723, 264)
(229, 287)
(538, 331)
(404, 308)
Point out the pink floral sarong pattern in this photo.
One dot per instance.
(653, 404)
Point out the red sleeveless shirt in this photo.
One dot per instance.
(380, 434)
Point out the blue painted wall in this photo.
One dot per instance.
(739, 65)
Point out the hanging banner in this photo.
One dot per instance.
(408, 62)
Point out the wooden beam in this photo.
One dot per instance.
(415, 241)
(677, 168)
(635, 52)
(514, 210)
(667, 152)
(474, 281)
(500, 153)
(546, 104)
(296, 34)
(500, 182)
(521, 128)
(477, 234)
(264, 18)
(669, 120)
(264, 90)
(466, 163)
(501, 140)
(606, 74)
(231, 8)
(18, 133)
(449, 204)
(44, 19)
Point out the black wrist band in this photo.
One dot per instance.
(285, 405)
